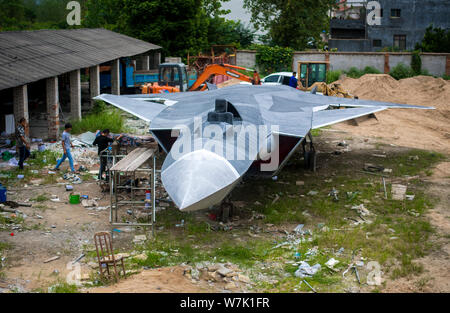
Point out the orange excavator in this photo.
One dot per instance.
(173, 77)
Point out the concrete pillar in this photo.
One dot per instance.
(20, 95)
(53, 108)
(75, 95)
(157, 59)
(145, 62)
(115, 77)
(94, 82)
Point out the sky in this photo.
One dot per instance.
(237, 11)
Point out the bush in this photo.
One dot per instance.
(100, 119)
(354, 73)
(333, 76)
(371, 70)
(273, 59)
(446, 77)
(401, 71)
(416, 63)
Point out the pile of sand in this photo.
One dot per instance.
(424, 129)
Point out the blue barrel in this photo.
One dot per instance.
(2, 194)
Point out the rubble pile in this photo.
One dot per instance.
(226, 274)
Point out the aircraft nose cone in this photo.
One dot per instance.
(199, 179)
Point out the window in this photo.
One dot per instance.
(396, 13)
(381, 12)
(377, 43)
(400, 42)
(285, 80)
(272, 79)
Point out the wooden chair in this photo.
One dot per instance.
(105, 254)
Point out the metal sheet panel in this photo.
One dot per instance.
(28, 56)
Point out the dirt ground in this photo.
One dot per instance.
(65, 230)
(423, 129)
(427, 129)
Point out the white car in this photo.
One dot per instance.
(280, 78)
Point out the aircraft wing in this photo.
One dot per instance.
(145, 110)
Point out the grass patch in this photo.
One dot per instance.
(63, 287)
(101, 118)
(41, 198)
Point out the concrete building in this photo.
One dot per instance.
(45, 73)
(403, 24)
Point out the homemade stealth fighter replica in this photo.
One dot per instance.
(214, 138)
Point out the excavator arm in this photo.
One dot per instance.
(225, 69)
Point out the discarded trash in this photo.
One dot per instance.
(379, 155)
(331, 262)
(20, 176)
(309, 286)
(139, 238)
(373, 168)
(297, 255)
(52, 259)
(69, 187)
(299, 228)
(89, 203)
(398, 192)
(409, 197)
(414, 158)
(181, 224)
(305, 270)
(277, 197)
(79, 258)
(300, 183)
(334, 193)
(361, 209)
(312, 193)
(274, 178)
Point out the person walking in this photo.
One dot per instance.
(22, 144)
(67, 145)
(293, 81)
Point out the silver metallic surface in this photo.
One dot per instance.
(203, 166)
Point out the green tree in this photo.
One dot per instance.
(435, 40)
(225, 32)
(291, 23)
(179, 26)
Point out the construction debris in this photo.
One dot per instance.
(52, 259)
(361, 210)
(305, 270)
(398, 192)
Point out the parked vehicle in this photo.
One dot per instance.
(280, 78)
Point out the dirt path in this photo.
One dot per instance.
(166, 279)
(60, 230)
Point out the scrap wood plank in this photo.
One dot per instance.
(134, 160)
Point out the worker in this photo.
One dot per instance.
(256, 78)
(66, 145)
(103, 142)
(293, 81)
(22, 143)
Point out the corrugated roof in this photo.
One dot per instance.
(28, 56)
